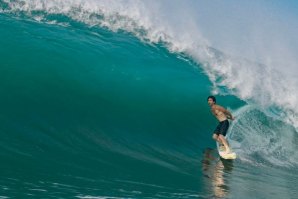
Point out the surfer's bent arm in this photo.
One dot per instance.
(229, 115)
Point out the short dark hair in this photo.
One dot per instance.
(212, 97)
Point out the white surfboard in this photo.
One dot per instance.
(222, 152)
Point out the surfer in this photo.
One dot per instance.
(222, 115)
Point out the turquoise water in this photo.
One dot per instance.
(87, 112)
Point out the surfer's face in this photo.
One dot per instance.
(210, 102)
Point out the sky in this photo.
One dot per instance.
(265, 31)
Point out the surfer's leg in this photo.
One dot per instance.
(224, 142)
(222, 133)
(216, 134)
(216, 138)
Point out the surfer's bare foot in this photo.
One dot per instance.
(228, 150)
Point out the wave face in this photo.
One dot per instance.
(103, 99)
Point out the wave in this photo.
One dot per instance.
(272, 94)
(263, 140)
(253, 82)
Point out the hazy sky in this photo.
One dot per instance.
(266, 31)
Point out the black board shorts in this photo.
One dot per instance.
(222, 128)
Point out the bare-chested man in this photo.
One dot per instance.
(222, 115)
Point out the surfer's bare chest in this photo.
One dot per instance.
(218, 114)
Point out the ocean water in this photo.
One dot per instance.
(98, 100)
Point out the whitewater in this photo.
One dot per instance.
(108, 99)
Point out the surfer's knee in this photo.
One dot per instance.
(215, 136)
(220, 136)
